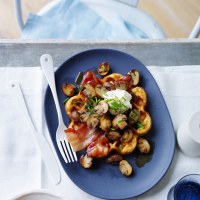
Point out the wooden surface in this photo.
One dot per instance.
(169, 52)
(176, 17)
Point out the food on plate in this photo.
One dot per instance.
(103, 68)
(86, 161)
(143, 145)
(68, 89)
(114, 158)
(125, 168)
(108, 117)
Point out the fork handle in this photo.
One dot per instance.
(47, 67)
(47, 154)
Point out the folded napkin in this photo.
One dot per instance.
(72, 19)
(20, 160)
(21, 167)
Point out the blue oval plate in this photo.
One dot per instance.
(105, 180)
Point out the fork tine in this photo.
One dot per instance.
(64, 153)
(74, 154)
(68, 151)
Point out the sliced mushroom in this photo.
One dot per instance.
(114, 158)
(125, 168)
(127, 136)
(86, 161)
(100, 91)
(109, 85)
(75, 115)
(122, 85)
(101, 108)
(93, 120)
(105, 123)
(143, 145)
(134, 116)
(88, 90)
(113, 135)
(84, 114)
(68, 89)
(119, 121)
(103, 68)
(113, 112)
(135, 76)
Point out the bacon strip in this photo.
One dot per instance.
(99, 148)
(80, 137)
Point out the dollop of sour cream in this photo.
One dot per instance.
(118, 100)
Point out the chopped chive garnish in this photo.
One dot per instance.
(139, 125)
(65, 100)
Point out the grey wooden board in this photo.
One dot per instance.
(14, 53)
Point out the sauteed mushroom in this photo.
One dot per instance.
(114, 158)
(103, 68)
(127, 136)
(68, 89)
(86, 161)
(93, 120)
(88, 90)
(105, 123)
(143, 145)
(75, 115)
(125, 168)
(101, 108)
(109, 85)
(119, 121)
(84, 114)
(135, 76)
(113, 135)
(100, 91)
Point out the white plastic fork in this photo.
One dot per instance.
(65, 148)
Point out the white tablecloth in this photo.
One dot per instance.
(21, 166)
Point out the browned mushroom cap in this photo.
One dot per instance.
(93, 120)
(105, 123)
(119, 121)
(114, 158)
(113, 135)
(109, 85)
(127, 136)
(134, 116)
(88, 90)
(100, 91)
(125, 168)
(68, 89)
(86, 161)
(75, 115)
(103, 68)
(101, 108)
(84, 114)
(135, 76)
(143, 145)
(122, 85)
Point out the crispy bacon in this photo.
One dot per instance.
(99, 148)
(81, 136)
(91, 78)
(126, 79)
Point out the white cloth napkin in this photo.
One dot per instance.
(21, 166)
(20, 161)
